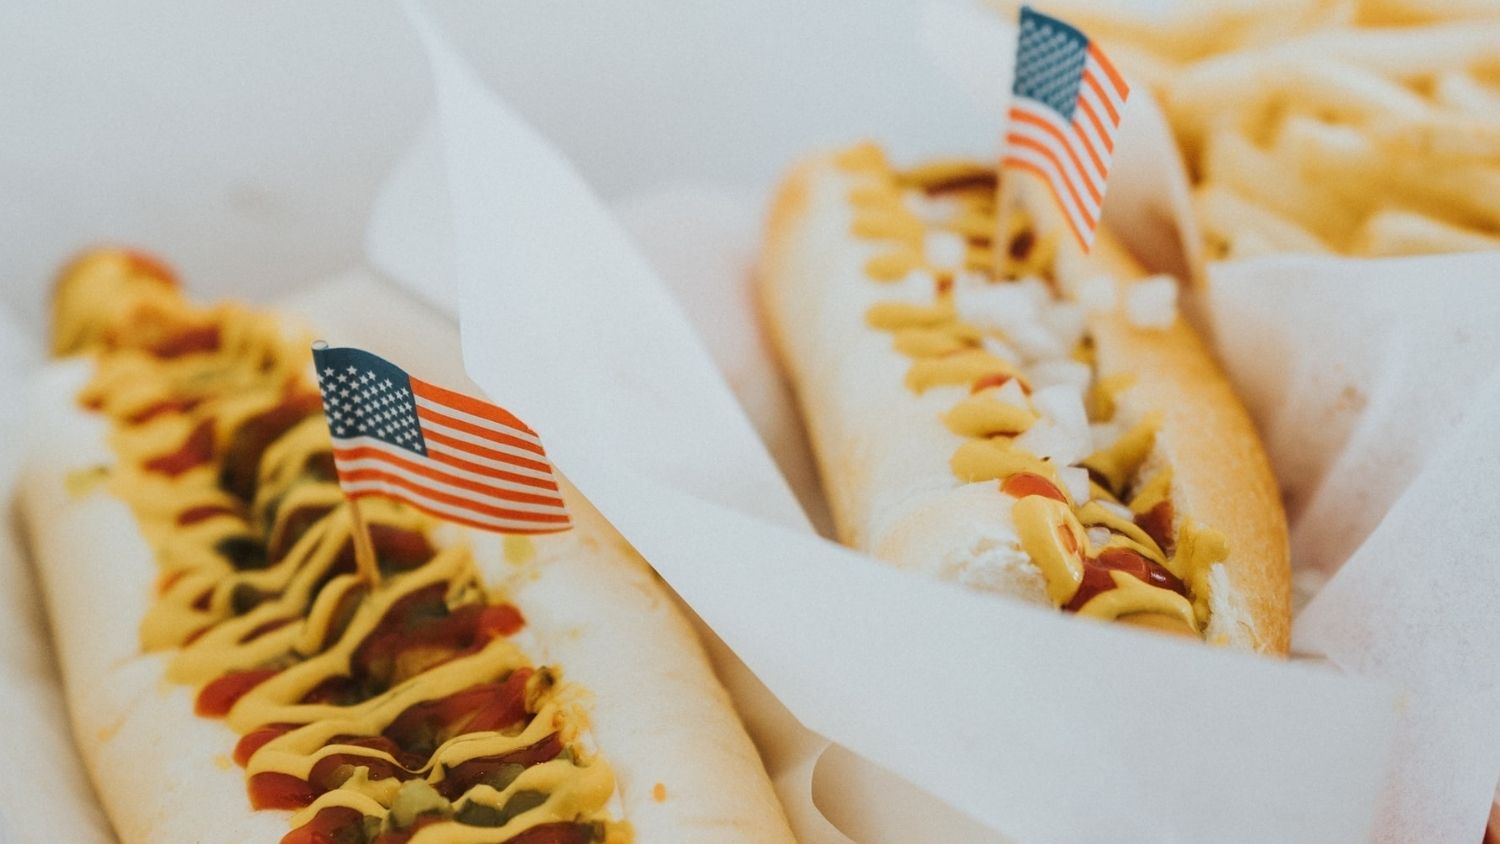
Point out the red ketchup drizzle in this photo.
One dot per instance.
(263, 629)
(203, 338)
(274, 790)
(196, 450)
(409, 739)
(217, 698)
(146, 264)
(1022, 484)
(167, 581)
(202, 513)
(472, 772)
(161, 408)
(258, 738)
(333, 825)
(1097, 579)
(549, 833)
(1157, 523)
(997, 380)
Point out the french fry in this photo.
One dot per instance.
(1189, 30)
(1395, 232)
(1404, 53)
(1288, 80)
(1386, 12)
(1278, 184)
(1239, 228)
(1351, 165)
(1461, 91)
(1445, 137)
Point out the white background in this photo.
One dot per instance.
(257, 168)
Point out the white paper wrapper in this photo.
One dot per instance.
(1001, 709)
(1377, 384)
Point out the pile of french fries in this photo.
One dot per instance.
(1358, 127)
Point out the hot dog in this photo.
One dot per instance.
(992, 406)
(232, 678)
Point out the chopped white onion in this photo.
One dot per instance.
(1000, 349)
(1098, 536)
(1067, 322)
(944, 248)
(1051, 441)
(1104, 434)
(1063, 406)
(914, 288)
(1011, 393)
(1076, 479)
(995, 305)
(1024, 312)
(1097, 293)
(1152, 303)
(932, 209)
(1060, 371)
(971, 279)
(1118, 509)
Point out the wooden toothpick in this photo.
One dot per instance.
(364, 549)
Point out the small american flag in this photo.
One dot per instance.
(456, 457)
(1068, 100)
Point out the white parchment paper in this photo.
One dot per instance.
(1377, 384)
(1000, 709)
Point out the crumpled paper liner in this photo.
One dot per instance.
(1001, 709)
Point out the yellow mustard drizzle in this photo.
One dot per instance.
(944, 350)
(297, 612)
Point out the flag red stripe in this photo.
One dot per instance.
(1114, 116)
(460, 463)
(1042, 174)
(1088, 108)
(426, 470)
(1027, 117)
(489, 453)
(449, 499)
(476, 430)
(1038, 146)
(1109, 70)
(450, 517)
(468, 404)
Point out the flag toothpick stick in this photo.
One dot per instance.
(364, 550)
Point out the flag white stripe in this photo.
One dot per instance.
(1085, 129)
(1092, 67)
(439, 448)
(456, 512)
(488, 424)
(350, 465)
(434, 486)
(1095, 178)
(1068, 206)
(498, 465)
(464, 436)
(1045, 138)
